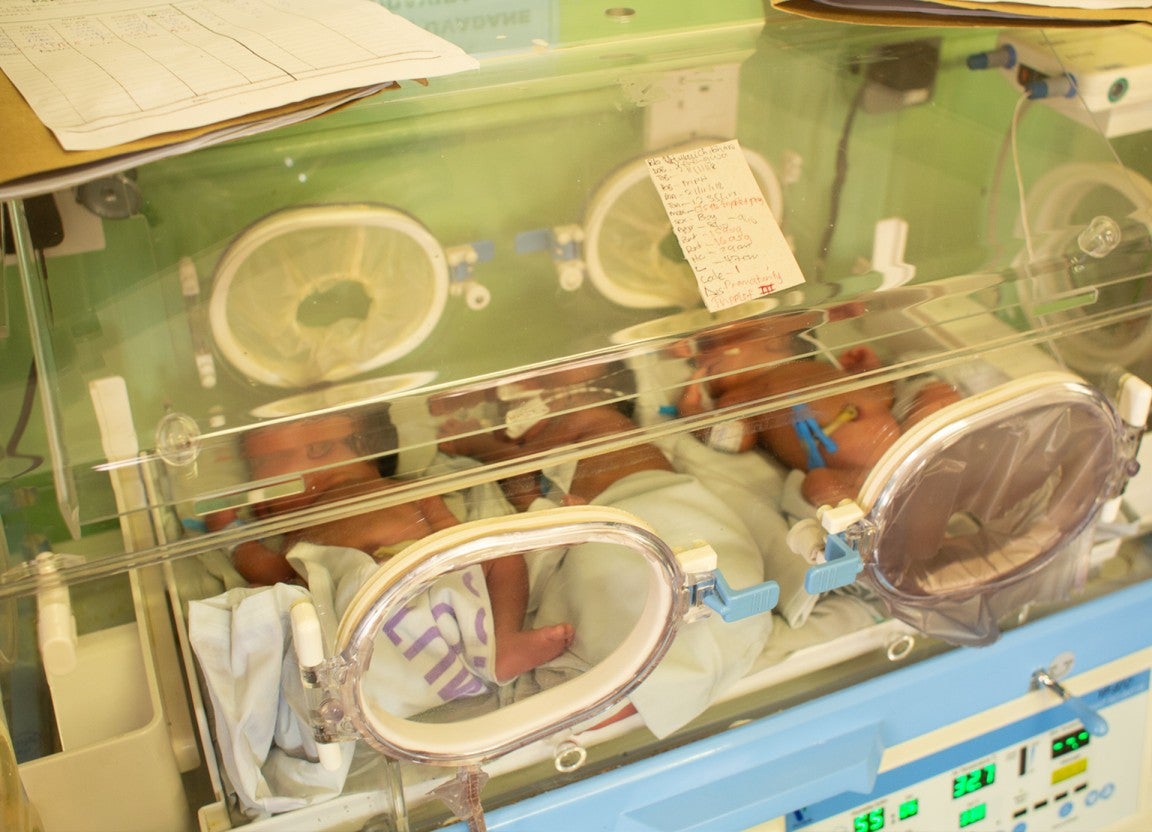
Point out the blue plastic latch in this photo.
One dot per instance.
(538, 239)
(736, 604)
(462, 259)
(563, 242)
(485, 250)
(841, 565)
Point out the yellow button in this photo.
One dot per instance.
(1070, 770)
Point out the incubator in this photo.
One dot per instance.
(696, 417)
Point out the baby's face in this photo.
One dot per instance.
(735, 362)
(320, 450)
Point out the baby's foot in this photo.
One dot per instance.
(522, 651)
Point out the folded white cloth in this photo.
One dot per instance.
(243, 642)
(436, 649)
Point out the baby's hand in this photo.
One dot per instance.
(218, 520)
(932, 397)
(693, 399)
(860, 359)
(468, 437)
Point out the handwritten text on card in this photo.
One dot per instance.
(725, 228)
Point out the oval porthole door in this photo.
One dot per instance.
(319, 294)
(988, 505)
(355, 696)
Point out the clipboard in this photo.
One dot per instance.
(957, 13)
(32, 162)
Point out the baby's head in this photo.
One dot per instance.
(326, 451)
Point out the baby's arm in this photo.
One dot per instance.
(262, 565)
(593, 474)
(930, 398)
(378, 528)
(257, 563)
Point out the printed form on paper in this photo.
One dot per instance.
(725, 227)
(100, 73)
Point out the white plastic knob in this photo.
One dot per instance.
(571, 276)
(806, 539)
(477, 297)
(837, 519)
(56, 631)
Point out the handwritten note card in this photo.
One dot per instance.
(724, 225)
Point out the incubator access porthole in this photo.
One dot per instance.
(1089, 224)
(632, 255)
(368, 699)
(318, 294)
(979, 509)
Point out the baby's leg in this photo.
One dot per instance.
(518, 650)
(829, 486)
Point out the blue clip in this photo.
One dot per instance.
(565, 251)
(461, 272)
(538, 239)
(735, 604)
(546, 239)
(841, 565)
(811, 435)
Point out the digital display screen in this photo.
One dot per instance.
(869, 821)
(909, 809)
(974, 780)
(1069, 743)
(971, 816)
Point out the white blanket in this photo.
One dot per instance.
(242, 640)
(438, 648)
(597, 590)
(756, 488)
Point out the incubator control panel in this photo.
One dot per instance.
(1039, 773)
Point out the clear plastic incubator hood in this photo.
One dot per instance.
(672, 417)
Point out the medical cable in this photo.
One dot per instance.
(11, 449)
(838, 183)
(1024, 222)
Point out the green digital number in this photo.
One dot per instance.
(973, 815)
(870, 821)
(875, 820)
(909, 809)
(974, 780)
(1069, 743)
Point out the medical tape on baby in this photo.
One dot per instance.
(727, 437)
(555, 481)
(535, 406)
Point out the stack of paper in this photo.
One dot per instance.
(94, 86)
(1047, 13)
